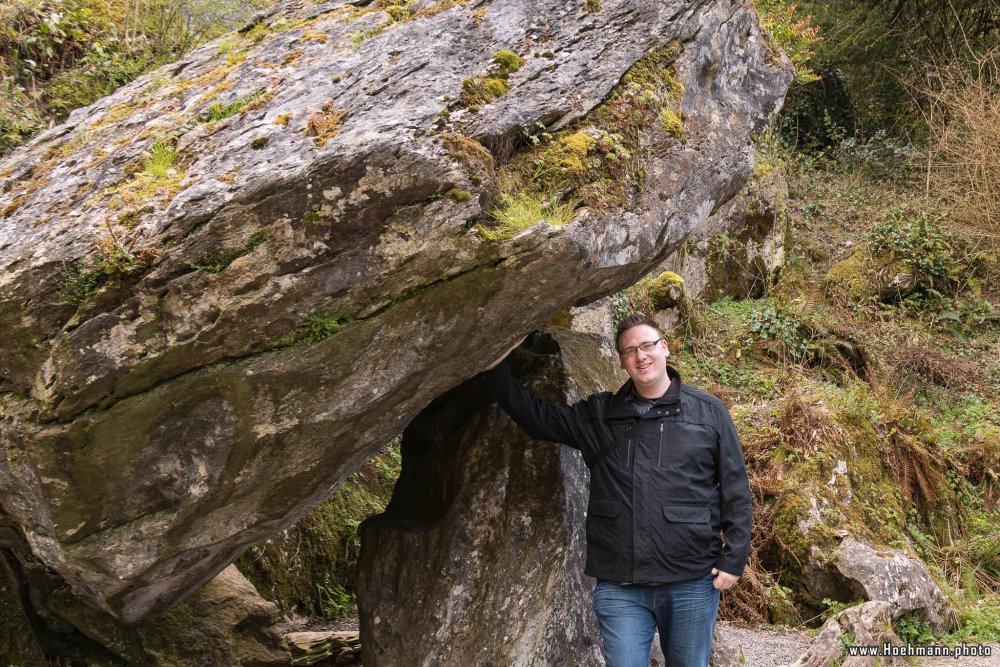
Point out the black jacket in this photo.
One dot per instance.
(662, 486)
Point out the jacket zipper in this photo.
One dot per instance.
(659, 449)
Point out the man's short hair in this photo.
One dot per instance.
(634, 320)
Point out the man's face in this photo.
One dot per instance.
(648, 369)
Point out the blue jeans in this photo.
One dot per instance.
(684, 612)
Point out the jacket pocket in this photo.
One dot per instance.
(602, 524)
(687, 513)
(605, 507)
(688, 530)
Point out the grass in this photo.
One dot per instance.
(219, 111)
(160, 161)
(520, 210)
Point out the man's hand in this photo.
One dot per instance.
(504, 355)
(723, 580)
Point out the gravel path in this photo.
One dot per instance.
(767, 648)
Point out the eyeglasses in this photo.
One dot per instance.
(647, 347)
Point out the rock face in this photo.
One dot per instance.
(740, 247)
(860, 571)
(224, 623)
(485, 530)
(225, 286)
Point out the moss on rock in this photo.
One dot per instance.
(302, 569)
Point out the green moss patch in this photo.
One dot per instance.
(310, 568)
(598, 161)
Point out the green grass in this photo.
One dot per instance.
(520, 210)
(160, 161)
(219, 111)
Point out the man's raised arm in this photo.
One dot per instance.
(540, 419)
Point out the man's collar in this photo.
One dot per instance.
(627, 393)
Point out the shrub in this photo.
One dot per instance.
(963, 161)
(70, 53)
(939, 262)
(792, 33)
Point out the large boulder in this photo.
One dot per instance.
(485, 529)
(224, 623)
(225, 286)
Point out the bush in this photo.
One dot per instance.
(963, 160)
(57, 56)
(939, 263)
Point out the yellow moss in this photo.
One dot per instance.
(471, 154)
(215, 90)
(507, 60)
(458, 195)
(257, 33)
(477, 15)
(313, 36)
(663, 290)
(228, 177)
(438, 7)
(16, 203)
(209, 78)
(561, 320)
(326, 124)
(292, 58)
(672, 124)
(850, 277)
(283, 119)
(571, 151)
(674, 88)
(482, 89)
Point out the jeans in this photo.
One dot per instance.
(684, 612)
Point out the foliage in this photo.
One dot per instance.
(317, 326)
(938, 261)
(77, 282)
(55, 57)
(335, 600)
(117, 255)
(311, 568)
(874, 61)
(963, 120)
(792, 33)
(772, 324)
(913, 631)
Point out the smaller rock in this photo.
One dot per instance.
(892, 576)
(869, 623)
(314, 648)
(825, 649)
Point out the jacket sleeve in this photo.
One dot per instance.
(539, 419)
(734, 491)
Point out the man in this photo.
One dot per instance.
(666, 476)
